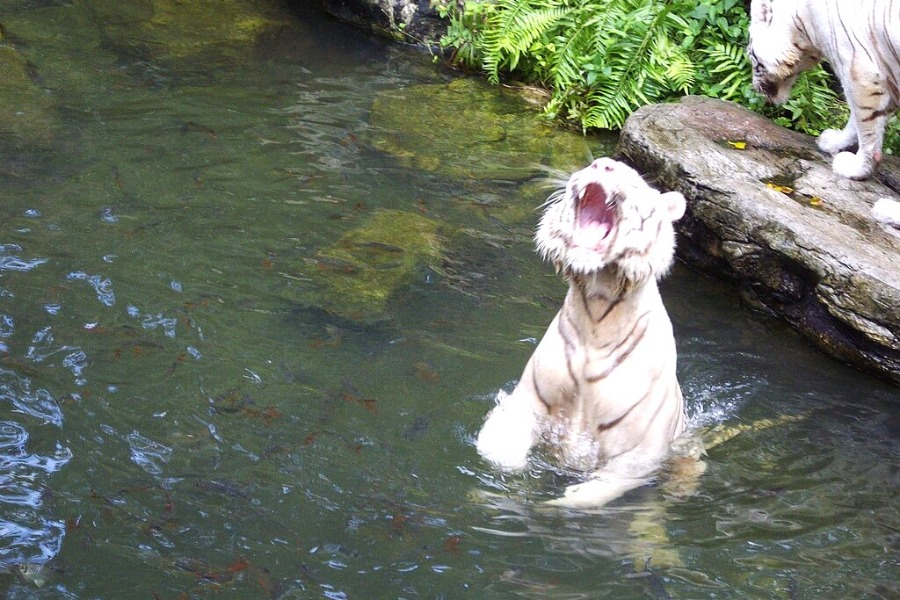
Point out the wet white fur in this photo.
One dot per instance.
(601, 393)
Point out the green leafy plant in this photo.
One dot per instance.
(603, 59)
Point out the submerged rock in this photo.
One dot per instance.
(27, 114)
(368, 267)
(62, 43)
(467, 129)
(174, 29)
(765, 208)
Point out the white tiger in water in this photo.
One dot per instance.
(600, 389)
(861, 41)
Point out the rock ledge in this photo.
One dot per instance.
(765, 209)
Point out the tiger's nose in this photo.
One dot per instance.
(606, 164)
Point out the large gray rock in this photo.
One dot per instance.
(765, 208)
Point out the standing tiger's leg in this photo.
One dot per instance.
(863, 163)
(870, 108)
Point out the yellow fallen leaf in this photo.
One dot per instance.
(780, 188)
(815, 201)
(738, 145)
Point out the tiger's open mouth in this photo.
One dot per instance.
(595, 218)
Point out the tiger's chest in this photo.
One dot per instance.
(623, 392)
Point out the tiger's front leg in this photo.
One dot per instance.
(858, 165)
(870, 109)
(514, 425)
(832, 141)
(862, 163)
(510, 431)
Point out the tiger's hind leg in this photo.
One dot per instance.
(684, 467)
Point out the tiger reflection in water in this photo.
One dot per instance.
(600, 390)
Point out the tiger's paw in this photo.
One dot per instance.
(887, 211)
(833, 141)
(508, 433)
(854, 166)
(506, 450)
(594, 493)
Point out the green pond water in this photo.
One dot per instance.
(189, 408)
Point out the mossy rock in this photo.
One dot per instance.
(368, 267)
(178, 29)
(27, 114)
(467, 129)
(64, 43)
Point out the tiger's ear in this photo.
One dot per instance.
(761, 11)
(675, 204)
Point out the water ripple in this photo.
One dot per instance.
(76, 362)
(12, 435)
(159, 320)
(9, 262)
(26, 535)
(44, 540)
(38, 403)
(147, 453)
(102, 287)
(6, 326)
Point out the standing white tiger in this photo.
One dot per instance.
(600, 389)
(861, 41)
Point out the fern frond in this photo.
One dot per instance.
(512, 29)
(602, 59)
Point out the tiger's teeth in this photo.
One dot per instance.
(581, 193)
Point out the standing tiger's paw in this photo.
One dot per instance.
(854, 166)
(832, 141)
(887, 211)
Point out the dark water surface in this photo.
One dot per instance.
(178, 422)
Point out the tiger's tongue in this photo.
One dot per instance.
(590, 236)
(595, 218)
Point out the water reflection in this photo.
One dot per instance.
(39, 403)
(27, 535)
(147, 454)
(30, 536)
(10, 261)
